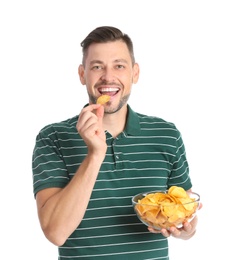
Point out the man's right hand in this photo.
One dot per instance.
(90, 127)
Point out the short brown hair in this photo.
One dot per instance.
(106, 34)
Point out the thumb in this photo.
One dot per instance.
(100, 113)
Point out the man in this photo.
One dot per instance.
(87, 168)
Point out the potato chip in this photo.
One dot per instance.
(151, 215)
(103, 99)
(177, 192)
(164, 210)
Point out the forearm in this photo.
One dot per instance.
(64, 210)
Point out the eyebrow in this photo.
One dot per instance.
(101, 62)
(121, 60)
(96, 61)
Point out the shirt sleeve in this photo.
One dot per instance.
(180, 169)
(48, 166)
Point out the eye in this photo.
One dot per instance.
(96, 67)
(120, 66)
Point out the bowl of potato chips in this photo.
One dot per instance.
(165, 209)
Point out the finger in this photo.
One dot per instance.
(88, 125)
(200, 206)
(187, 227)
(165, 232)
(152, 230)
(87, 112)
(85, 119)
(91, 107)
(100, 112)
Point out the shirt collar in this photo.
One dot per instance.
(132, 126)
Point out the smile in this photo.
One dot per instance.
(109, 90)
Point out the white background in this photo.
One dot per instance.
(184, 49)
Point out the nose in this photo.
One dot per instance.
(108, 75)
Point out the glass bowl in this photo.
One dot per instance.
(163, 210)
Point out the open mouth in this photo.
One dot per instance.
(111, 91)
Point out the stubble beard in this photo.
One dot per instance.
(108, 109)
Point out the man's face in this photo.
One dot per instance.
(109, 70)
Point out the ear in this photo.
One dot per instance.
(81, 74)
(136, 72)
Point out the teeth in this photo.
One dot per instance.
(108, 90)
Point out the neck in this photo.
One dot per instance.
(115, 123)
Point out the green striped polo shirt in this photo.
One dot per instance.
(149, 155)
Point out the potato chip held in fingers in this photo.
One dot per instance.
(103, 99)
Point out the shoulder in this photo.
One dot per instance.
(150, 125)
(154, 121)
(65, 126)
